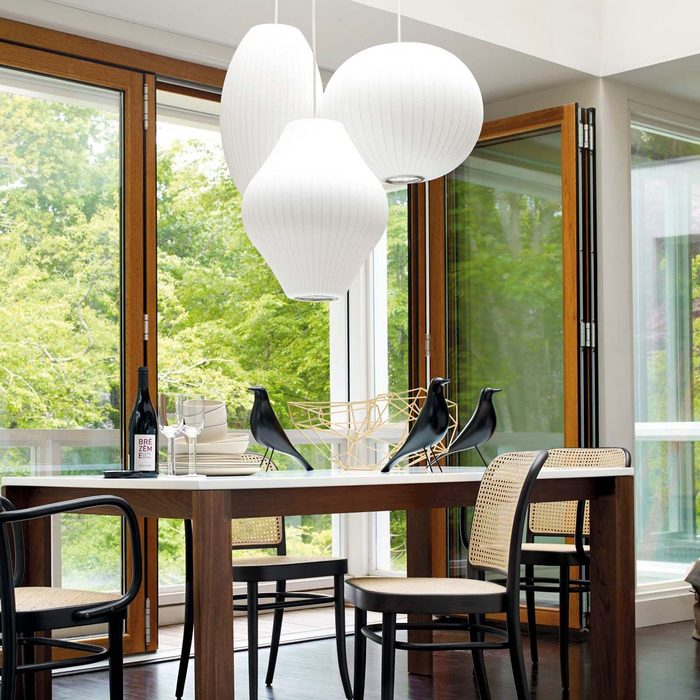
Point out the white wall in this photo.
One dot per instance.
(567, 33)
(639, 33)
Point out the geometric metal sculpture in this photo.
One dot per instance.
(364, 435)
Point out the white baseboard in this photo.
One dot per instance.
(659, 607)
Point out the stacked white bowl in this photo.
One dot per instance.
(219, 450)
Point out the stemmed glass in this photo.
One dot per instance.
(170, 423)
(193, 415)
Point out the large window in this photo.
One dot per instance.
(224, 323)
(60, 308)
(666, 255)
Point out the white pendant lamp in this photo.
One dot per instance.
(315, 210)
(413, 110)
(269, 83)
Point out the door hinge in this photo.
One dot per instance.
(588, 334)
(145, 327)
(148, 621)
(427, 344)
(145, 106)
(585, 136)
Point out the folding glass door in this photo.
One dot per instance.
(507, 297)
(70, 166)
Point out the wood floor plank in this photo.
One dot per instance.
(668, 667)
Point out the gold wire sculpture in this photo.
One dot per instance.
(363, 435)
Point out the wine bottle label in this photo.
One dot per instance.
(144, 453)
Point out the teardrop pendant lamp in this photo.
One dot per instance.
(314, 210)
(268, 83)
(413, 110)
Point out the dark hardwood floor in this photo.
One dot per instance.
(668, 668)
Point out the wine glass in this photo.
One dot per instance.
(193, 424)
(170, 422)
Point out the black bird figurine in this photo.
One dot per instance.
(267, 430)
(430, 426)
(480, 427)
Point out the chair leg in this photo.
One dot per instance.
(339, 595)
(360, 654)
(276, 632)
(189, 616)
(515, 647)
(253, 640)
(28, 679)
(564, 585)
(8, 688)
(116, 659)
(482, 682)
(388, 654)
(531, 614)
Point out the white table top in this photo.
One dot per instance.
(294, 479)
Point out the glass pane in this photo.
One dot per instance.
(60, 198)
(224, 323)
(391, 344)
(504, 298)
(666, 254)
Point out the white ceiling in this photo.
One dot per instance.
(209, 30)
(512, 46)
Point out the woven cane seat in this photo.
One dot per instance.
(425, 595)
(33, 599)
(550, 554)
(282, 568)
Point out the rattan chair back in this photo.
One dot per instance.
(257, 533)
(496, 511)
(558, 519)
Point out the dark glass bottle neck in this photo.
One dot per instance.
(143, 379)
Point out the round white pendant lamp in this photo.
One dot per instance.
(413, 110)
(315, 210)
(269, 83)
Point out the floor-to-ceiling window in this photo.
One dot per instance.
(224, 323)
(665, 188)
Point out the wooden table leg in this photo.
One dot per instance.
(612, 593)
(213, 608)
(426, 554)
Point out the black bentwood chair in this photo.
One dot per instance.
(258, 533)
(27, 610)
(496, 538)
(559, 519)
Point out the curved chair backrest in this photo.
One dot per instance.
(558, 518)
(257, 533)
(499, 513)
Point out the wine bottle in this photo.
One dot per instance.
(143, 430)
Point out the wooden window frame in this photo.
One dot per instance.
(427, 531)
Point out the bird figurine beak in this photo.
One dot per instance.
(446, 381)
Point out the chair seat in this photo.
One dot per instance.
(426, 595)
(45, 607)
(283, 568)
(547, 553)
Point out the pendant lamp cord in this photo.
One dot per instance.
(313, 48)
(398, 21)
(277, 11)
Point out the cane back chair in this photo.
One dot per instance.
(496, 539)
(268, 533)
(564, 519)
(26, 611)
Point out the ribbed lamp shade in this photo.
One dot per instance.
(268, 84)
(315, 210)
(413, 110)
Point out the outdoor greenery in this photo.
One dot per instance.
(223, 321)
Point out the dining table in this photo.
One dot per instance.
(211, 503)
